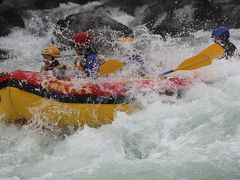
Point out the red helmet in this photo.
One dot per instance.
(82, 38)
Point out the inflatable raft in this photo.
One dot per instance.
(25, 96)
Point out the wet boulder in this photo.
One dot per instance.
(48, 4)
(177, 17)
(128, 6)
(223, 2)
(19, 4)
(230, 12)
(4, 55)
(11, 14)
(102, 28)
(89, 20)
(9, 18)
(11, 11)
(5, 27)
(39, 4)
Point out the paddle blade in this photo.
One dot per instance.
(194, 62)
(110, 66)
(204, 58)
(214, 51)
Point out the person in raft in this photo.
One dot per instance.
(127, 47)
(88, 60)
(51, 62)
(221, 36)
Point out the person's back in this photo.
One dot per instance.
(221, 36)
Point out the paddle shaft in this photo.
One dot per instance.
(168, 72)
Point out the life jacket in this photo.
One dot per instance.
(90, 63)
(230, 49)
(56, 68)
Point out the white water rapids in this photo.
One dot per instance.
(196, 137)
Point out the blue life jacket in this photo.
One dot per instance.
(92, 63)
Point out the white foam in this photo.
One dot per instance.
(196, 137)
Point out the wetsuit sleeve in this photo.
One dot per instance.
(230, 50)
(43, 68)
(77, 64)
(62, 67)
(101, 58)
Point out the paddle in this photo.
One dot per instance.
(204, 58)
(110, 66)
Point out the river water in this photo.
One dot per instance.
(196, 137)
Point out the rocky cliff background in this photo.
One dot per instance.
(163, 17)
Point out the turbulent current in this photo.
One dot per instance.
(196, 137)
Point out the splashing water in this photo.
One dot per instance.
(196, 137)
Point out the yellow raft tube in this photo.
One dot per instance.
(26, 96)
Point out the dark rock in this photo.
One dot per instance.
(79, 1)
(10, 17)
(102, 28)
(47, 4)
(38, 4)
(18, 4)
(5, 28)
(175, 17)
(154, 12)
(13, 17)
(229, 12)
(178, 17)
(223, 2)
(90, 20)
(128, 6)
(4, 55)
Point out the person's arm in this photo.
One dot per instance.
(78, 64)
(236, 53)
(42, 69)
(60, 72)
(101, 58)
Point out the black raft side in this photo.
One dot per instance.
(66, 98)
(4, 83)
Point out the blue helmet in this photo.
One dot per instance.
(220, 32)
